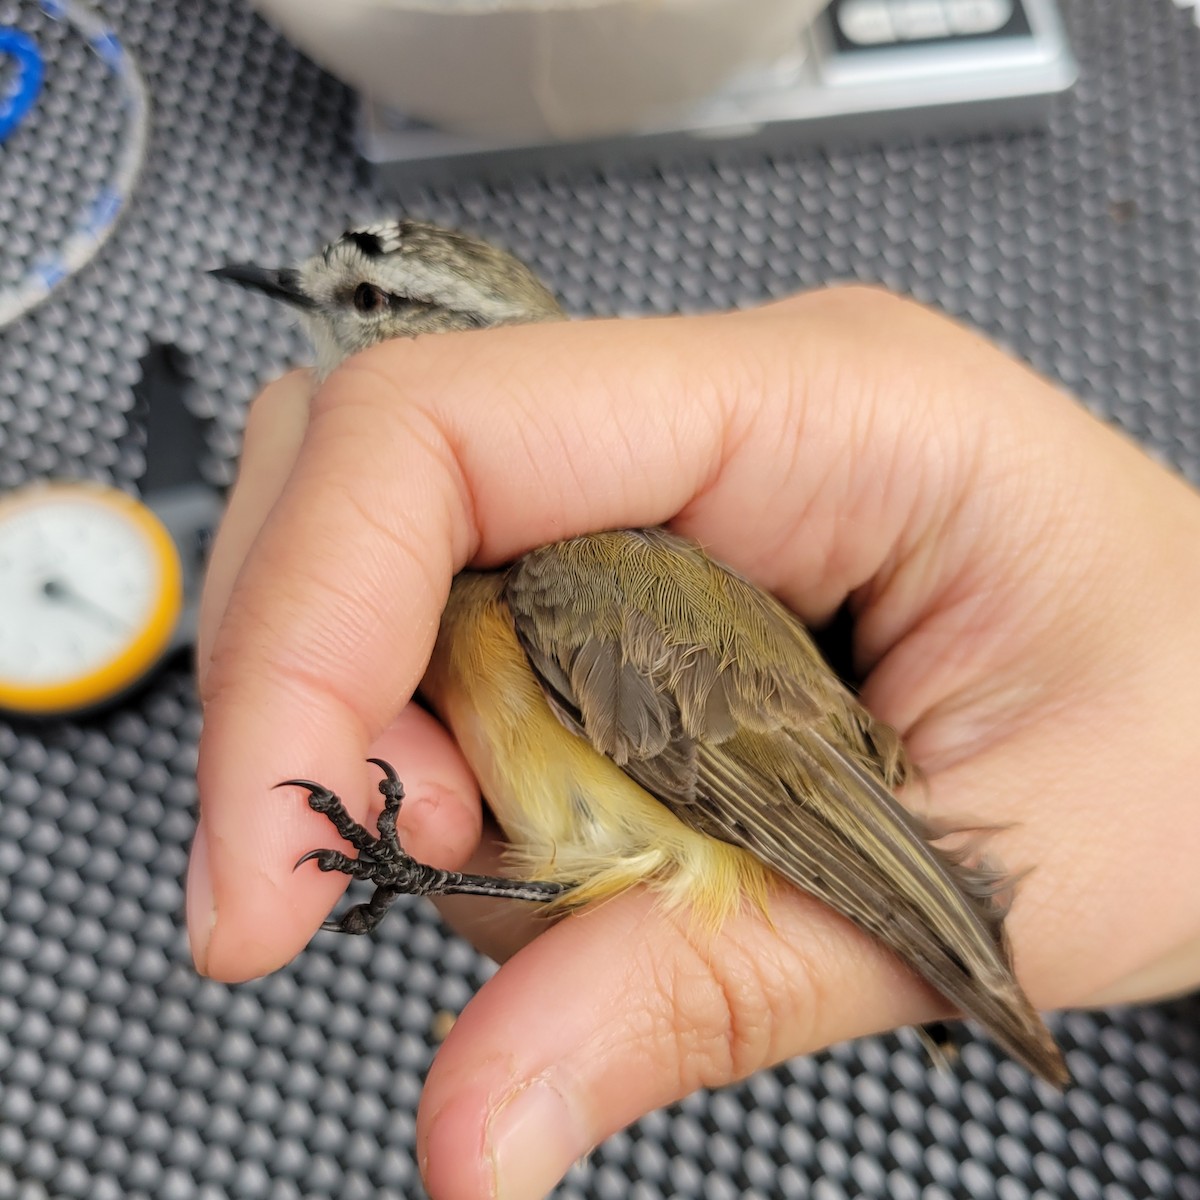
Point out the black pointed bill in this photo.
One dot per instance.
(282, 284)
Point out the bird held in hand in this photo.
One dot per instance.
(637, 713)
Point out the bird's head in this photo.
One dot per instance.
(399, 279)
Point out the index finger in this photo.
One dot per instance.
(417, 458)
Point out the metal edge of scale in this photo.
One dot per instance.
(819, 96)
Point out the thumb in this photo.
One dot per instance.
(626, 1008)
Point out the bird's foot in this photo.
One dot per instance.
(384, 862)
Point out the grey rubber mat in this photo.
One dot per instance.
(122, 1075)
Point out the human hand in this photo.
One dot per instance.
(1024, 583)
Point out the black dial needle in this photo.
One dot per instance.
(61, 591)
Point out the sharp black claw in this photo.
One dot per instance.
(302, 783)
(387, 768)
(306, 858)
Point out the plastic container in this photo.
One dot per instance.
(558, 69)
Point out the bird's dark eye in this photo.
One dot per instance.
(369, 299)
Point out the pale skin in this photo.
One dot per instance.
(1025, 582)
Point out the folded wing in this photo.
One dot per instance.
(712, 696)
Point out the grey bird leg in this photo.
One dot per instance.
(383, 861)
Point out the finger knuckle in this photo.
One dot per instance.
(729, 1008)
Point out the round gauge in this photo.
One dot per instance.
(91, 591)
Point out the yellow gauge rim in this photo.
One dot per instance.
(147, 645)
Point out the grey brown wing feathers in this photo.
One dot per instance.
(712, 696)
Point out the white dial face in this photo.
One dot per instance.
(78, 582)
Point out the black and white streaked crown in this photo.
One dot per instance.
(379, 238)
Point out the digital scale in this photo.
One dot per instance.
(863, 70)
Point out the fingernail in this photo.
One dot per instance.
(201, 910)
(532, 1140)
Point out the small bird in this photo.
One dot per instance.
(637, 713)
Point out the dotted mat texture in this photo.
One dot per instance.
(123, 1076)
